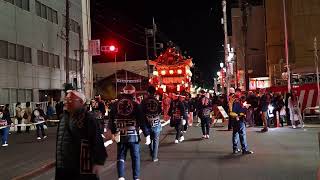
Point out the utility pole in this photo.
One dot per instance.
(316, 62)
(80, 58)
(147, 53)
(67, 40)
(226, 52)
(286, 44)
(243, 6)
(154, 27)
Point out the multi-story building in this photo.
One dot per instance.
(255, 49)
(32, 49)
(302, 22)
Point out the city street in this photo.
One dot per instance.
(282, 153)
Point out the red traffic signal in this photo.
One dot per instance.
(109, 49)
(112, 48)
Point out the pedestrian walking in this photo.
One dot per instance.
(27, 116)
(295, 113)
(19, 116)
(126, 118)
(38, 117)
(205, 109)
(182, 98)
(151, 108)
(50, 111)
(265, 101)
(177, 111)
(4, 126)
(80, 152)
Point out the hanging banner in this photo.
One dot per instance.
(94, 47)
(129, 81)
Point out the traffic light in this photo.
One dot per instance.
(112, 48)
(109, 49)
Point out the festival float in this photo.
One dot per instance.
(172, 72)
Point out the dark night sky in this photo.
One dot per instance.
(194, 26)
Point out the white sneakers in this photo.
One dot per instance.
(5, 145)
(38, 138)
(204, 136)
(294, 127)
(148, 140)
(44, 137)
(176, 141)
(122, 178)
(181, 139)
(207, 136)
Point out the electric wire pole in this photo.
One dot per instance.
(226, 53)
(67, 40)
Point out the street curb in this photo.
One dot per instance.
(36, 172)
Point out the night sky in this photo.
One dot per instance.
(193, 26)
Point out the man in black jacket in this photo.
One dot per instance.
(177, 113)
(126, 118)
(80, 152)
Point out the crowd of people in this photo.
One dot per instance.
(85, 125)
(26, 117)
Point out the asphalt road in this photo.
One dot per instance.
(282, 153)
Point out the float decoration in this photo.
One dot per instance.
(172, 72)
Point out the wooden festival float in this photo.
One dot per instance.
(172, 72)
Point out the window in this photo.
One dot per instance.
(21, 95)
(13, 95)
(38, 8)
(51, 60)
(18, 3)
(10, 1)
(4, 49)
(27, 55)
(20, 53)
(40, 57)
(45, 59)
(25, 5)
(29, 95)
(49, 11)
(4, 96)
(56, 61)
(54, 16)
(43, 11)
(12, 51)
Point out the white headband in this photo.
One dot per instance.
(78, 94)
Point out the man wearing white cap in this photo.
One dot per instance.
(80, 151)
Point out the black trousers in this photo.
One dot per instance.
(205, 125)
(178, 127)
(19, 127)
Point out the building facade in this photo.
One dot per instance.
(302, 21)
(32, 49)
(255, 50)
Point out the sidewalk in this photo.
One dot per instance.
(25, 154)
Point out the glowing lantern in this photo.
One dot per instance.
(179, 71)
(163, 72)
(178, 87)
(155, 73)
(171, 71)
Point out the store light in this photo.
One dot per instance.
(179, 71)
(171, 71)
(163, 72)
